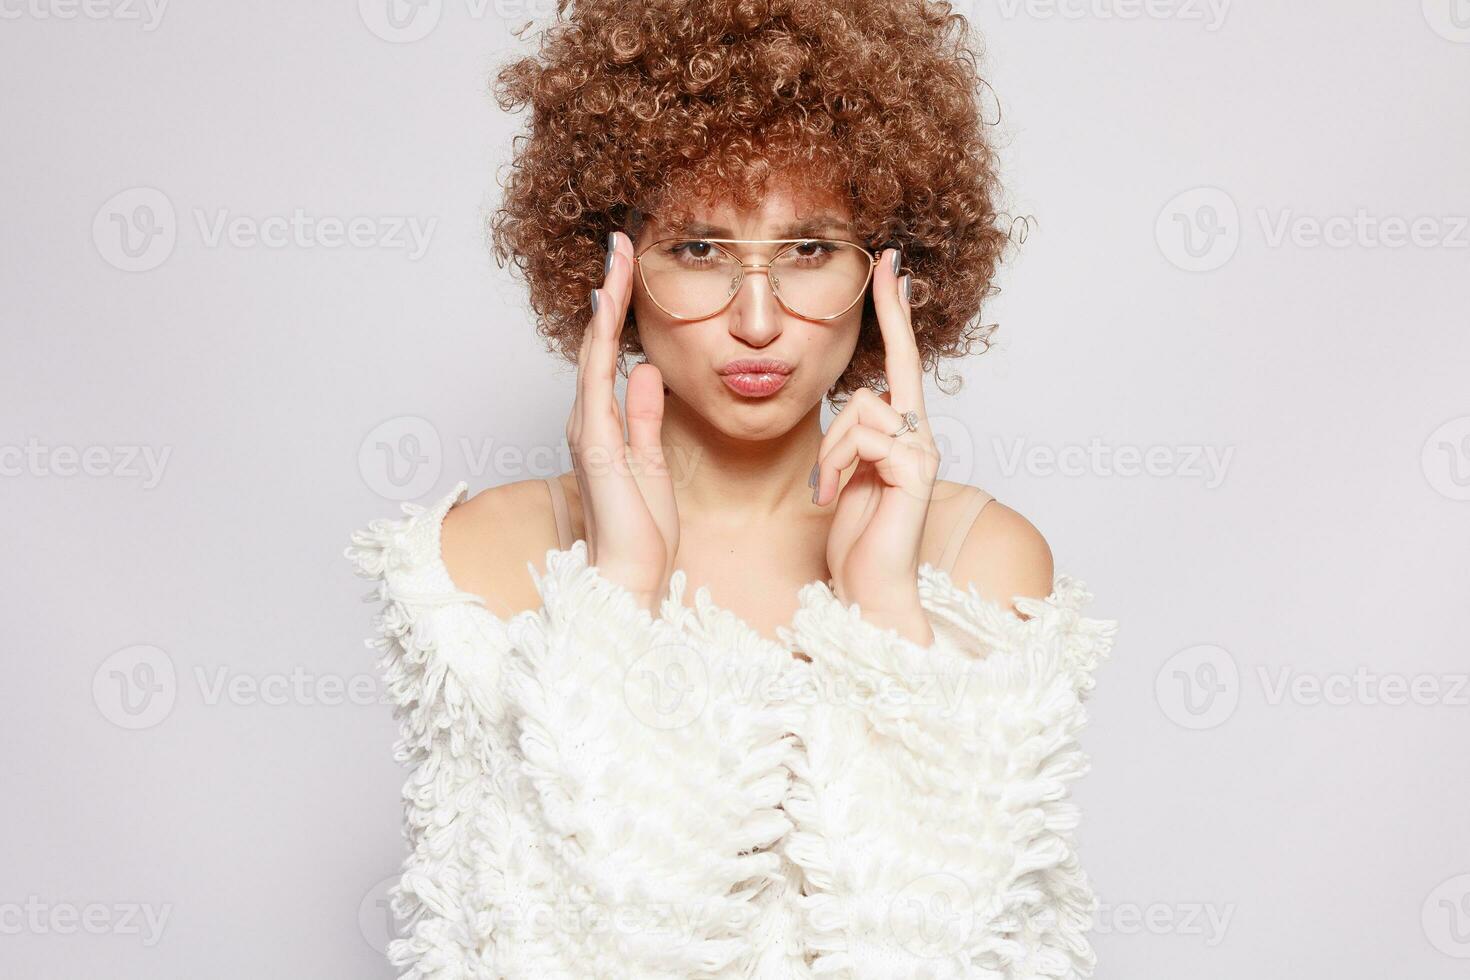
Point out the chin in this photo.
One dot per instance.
(752, 419)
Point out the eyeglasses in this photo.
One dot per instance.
(813, 278)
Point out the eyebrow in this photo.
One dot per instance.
(812, 227)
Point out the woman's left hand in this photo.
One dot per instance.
(873, 544)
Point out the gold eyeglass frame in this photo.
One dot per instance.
(790, 243)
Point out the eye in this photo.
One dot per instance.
(814, 250)
(693, 251)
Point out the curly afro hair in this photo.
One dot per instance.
(643, 106)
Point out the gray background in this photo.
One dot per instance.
(1279, 782)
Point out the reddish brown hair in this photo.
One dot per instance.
(643, 106)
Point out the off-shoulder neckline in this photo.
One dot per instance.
(711, 616)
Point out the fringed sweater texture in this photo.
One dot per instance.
(597, 792)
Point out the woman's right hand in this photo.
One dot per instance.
(627, 494)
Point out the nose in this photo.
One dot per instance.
(755, 316)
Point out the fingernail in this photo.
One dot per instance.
(814, 494)
(594, 302)
(904, 286)
(811, 481)
(897, 257)
(612, 246)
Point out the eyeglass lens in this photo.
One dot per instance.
(816, 278)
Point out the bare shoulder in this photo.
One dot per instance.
(488, 539)
(1003, 555)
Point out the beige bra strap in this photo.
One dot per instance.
(962, 526)
(559, 507)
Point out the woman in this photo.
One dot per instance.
(849, 756)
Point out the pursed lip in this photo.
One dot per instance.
(755, 377)
(756, 365)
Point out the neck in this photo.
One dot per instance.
(739, 480)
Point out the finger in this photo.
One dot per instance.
(619, 281)
(574, 436)
(865, 407)
(596, 431)
(901, 362)
(863, 443)
(645, 411)
(597, 381)
(574, 419)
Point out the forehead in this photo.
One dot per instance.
(781, 213)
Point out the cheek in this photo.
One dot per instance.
(838, 340)
(843, 343)
(671, 346)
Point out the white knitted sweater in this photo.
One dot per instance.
(598, 793)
